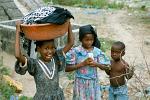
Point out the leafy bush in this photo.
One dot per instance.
(5, 90)
(25, 98)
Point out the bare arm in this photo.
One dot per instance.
(70, 68)
(129, 72)
(108, 70)
(101, 66)
(70, 41)
(77, 66)
(18, 53)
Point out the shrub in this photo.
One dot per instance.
(25, 98)
(5, 90)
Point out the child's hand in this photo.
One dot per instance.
(92, 63)
(131, 69)
(87, 61)
(18, 23)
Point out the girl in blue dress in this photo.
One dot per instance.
(84, 60)
(45, 68)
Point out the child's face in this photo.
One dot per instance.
(87, 41)
(116, 53)
(47, 50)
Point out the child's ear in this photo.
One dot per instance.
(123, 53)
(37, 49)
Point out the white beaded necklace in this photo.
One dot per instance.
(48, 73)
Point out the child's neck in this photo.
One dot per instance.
(117, 60)
(88, 49)
(44, 60)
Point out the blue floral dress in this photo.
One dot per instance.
(46, 89)
(86, 85)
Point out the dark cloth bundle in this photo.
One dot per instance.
(89, 29)
(55, 15)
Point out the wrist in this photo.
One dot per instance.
(81, 65)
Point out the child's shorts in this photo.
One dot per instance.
(118, 93)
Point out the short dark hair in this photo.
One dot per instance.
(119, 43)
(40, 43)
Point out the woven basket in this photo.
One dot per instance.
(44, 31)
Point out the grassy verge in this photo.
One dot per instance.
(7, 91)
(88, 3)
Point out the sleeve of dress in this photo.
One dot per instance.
(31, 64)
(61, 59)
(20, 70)
(30, 67)
(103, 59)
(70, 57)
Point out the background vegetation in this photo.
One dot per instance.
(88, 3)
(5, 90)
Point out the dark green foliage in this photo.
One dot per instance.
(25, 98)
(5, 90)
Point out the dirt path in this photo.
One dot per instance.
(113, 24)
(123, 27)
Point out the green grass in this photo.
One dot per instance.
(116, 5)
(88, 3)
(106, 44)
(5, 90)
(25, 98)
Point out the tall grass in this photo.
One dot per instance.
(88, 3)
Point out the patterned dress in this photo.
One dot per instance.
(86, 85)
(46, 89)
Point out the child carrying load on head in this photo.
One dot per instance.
(44, 68)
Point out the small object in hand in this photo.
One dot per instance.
(90, 55)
